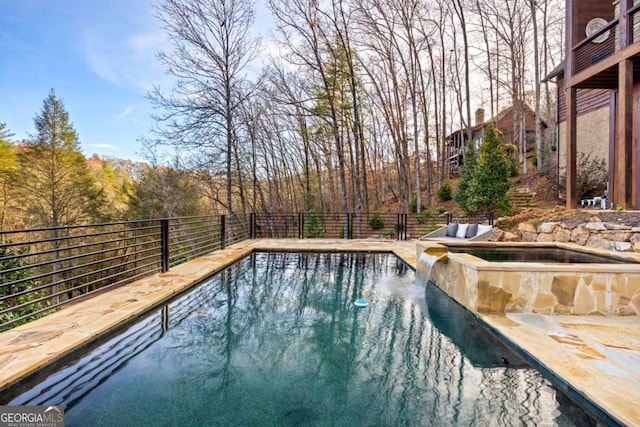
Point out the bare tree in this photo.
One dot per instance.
(536, 81)
(212, 47)
(459, 9)
(305, 31)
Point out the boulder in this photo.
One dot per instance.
(570, 224)
(545, 238)
(510, 237)
(595, 226)
(580, 235)
(597, 241)
(620, 236)
(547, 227)
(562, 235)
(525, 227)
(623, 246)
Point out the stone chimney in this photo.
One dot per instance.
(479, 116)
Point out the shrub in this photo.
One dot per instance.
(313, 225)
(376, 222)
(513, 165)
(445, 192)
(591, 176)
(11, 269)
(413, 204)
(422, 217)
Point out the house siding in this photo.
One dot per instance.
(587, 100)
(593, 134)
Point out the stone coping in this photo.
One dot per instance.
(564, 346)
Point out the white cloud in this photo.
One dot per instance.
(125, 60)
(121, 46)
(125, 113)
(146, 41)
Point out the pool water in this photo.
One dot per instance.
(535, 254)
(276, 340)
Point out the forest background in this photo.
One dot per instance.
(352, 112)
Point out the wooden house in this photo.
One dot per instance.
(593, 117)
(598, 94)
(505, 121)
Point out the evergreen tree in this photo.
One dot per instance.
(484, 177)
(488, 192)
(5, 135)
(58, 188)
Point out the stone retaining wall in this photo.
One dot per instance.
(601, 235)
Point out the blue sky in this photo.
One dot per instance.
(98, 56)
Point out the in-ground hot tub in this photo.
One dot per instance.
(560, 278)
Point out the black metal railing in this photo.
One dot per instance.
(606, 41)
(597, 47)
(43, 269)
(470, 219)
(309, 225)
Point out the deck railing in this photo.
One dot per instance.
(597, 47)
(606, 41)
(45, 268)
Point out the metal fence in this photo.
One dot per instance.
(309, 225)
(42, 269)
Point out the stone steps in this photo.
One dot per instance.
(522, 198)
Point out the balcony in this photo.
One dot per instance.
(596, 58)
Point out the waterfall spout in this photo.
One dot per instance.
(426, 261)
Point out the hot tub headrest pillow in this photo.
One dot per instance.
(452, 229)
(472, 230)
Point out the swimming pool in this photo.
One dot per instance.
(276, 340)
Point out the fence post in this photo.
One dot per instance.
(223, 231)
(164, 238)
(252, 225)
(352, 223)
(300, 225)
(405, 219)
